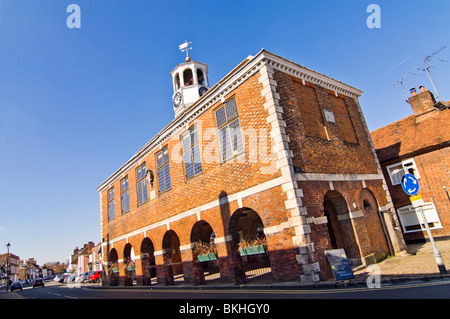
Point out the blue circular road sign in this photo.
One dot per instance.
(410, 184)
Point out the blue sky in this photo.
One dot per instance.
(76, 104)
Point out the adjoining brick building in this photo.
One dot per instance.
(274, 154)
(419, 145)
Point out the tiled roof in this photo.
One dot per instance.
(411, 134)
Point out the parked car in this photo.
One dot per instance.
(63, 278)
(38, 282)
(86, 275)
(16, 286)
(95, 276)
(70, 279)
(79, 277)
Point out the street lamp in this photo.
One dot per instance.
(7, 267)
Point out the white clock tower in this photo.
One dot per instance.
(190, 82)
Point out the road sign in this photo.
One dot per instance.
(416, 200)
(410, 184)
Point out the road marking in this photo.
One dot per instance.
(297, 291)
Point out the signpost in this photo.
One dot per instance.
(410, 185)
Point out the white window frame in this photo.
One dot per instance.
(234, 144)
(329, 116)
(405, 165)
(430, 212)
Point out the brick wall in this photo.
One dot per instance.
(434, 169)
(320, 146)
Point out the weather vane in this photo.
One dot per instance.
(185, 47)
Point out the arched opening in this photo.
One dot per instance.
(113, 267)
(128, 263)
(200, 77)
(204, 249)
(188, 77)
(172, 256)
(340, 227)
(177, 81)
(247, 231)
(148, 262)
(375, 218)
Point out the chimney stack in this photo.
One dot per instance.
(422, 102)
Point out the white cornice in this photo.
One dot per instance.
(227, 84)
(309, 75)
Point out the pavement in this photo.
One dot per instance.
(416, 264)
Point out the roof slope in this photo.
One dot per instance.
(411, 134)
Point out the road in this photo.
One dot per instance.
(234, 303)
(427, 290)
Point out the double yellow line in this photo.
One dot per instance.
(304, 291)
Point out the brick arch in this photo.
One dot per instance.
(113, 265)
(148, 262)
(204, 252)
(172, 253)
(201, 231)
(368, 201)
(376, 229)
(129, 264)
(245, 223)
(113, 256)
(341, 230)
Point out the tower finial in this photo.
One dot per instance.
(184, 47)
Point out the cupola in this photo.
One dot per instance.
(190, 82)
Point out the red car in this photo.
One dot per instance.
(95, 277)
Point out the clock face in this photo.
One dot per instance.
(177, 99)
(202, 90)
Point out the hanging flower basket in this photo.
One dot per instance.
(252, 250)
(204, 252)
(113, 267)
(252, 247)
(129, 264)
(207, 257)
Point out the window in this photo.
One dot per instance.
(229, 131)
(329, 116)
(162, 163)
(111, 212)
(191, 153)
(124, 195)
(397, 171)
(141, 184)
(412, 221)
